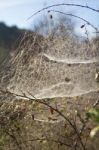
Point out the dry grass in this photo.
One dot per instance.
(38, 59)
(26, 124)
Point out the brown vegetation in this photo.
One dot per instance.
(46, 89)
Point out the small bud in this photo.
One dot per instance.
(51, 16)
(83, 26)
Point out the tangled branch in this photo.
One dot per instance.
(33, 98)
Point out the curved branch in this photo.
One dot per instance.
(69, 14)
(64, 4)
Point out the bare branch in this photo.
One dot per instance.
(69, 14)
(63, 4)
(55, 109)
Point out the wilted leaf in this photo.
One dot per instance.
(97, 77)
(51, 110)
(94, 131)
(65, 126)
(44, 141)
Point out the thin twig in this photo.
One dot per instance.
(55, 109)
(47, 139)
(14, 138)
(96, 103)
(63, 4)
(69, 14)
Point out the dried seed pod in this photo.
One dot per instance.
(67, 79)
(51, 17)
(97, 76)
(32, 116)
(51, 110)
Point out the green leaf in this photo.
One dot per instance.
(93, 114)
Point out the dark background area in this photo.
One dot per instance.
(9, 39)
